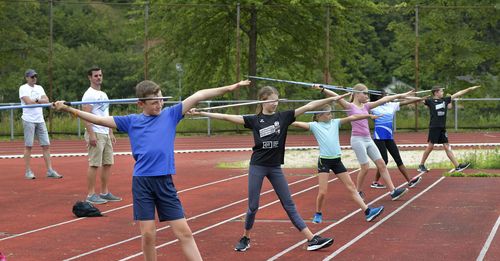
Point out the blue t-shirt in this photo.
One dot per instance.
(152, 140)
(384, 125)
(327, 135)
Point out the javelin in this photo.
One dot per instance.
(312, 112)
(130, 100)
(423, 91)
(238, 104)
(326, 86)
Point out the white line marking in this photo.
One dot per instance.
(344, 247)
(229, 219)
(488, 241)
(114, 209)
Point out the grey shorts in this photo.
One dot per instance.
(38, 129)
(364, 147)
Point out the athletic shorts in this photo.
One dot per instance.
(38, 129)
(364, 147)
(156, 192)
(437, 136)
(102, 153)
(336, 165)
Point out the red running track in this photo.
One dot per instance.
(452, 216)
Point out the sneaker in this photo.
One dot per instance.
(110, 197)
(53, 174)
(377, 185)
(412, 183)
(462, 166)
(422, 168)
(397, 193)
(243, 245)
(95, 199)
(373, 213)
(318, 218)
(29, 174)
(318, 242)
(362, 195)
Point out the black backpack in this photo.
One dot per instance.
(85, 209)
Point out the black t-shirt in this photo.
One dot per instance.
(438, 109)
(269, 134)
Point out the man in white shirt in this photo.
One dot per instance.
(99, 141)
(34, 123)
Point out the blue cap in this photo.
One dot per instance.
(30, 73)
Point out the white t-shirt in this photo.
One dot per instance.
(35, 92)
(100, 109)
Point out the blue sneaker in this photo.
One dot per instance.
(318, 218)
(397, 193)
(373, 213)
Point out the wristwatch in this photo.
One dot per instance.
(36, 101)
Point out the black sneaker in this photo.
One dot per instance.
(397, 193)
(414, 182)
(318, 242)
(462, 166)
(422, 168)
(243, 245)
(377, 185)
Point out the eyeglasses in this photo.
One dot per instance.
(34, 76)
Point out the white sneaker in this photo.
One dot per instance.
(29, 174)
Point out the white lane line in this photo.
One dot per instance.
(229, 219)
(114, 209)
(344, 247)
(488, 241)
(300, 243)
(191, 218)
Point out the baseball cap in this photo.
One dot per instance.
(30, 73)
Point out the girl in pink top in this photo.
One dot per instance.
(361, 141)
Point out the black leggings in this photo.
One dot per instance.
(389, 145)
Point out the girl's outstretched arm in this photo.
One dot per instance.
(206, 94)
(301, 124)
(390, 98)
(318, 103)
(357, 117)
(238, 119)
(329, 93)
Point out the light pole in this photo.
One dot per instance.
(180, 71)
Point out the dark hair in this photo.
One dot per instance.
(377, 96)
(146, 88)
(435, 89)
(93, 69)
(263, 94)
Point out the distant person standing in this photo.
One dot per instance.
(99, 140)
(34, 123)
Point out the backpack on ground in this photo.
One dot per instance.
(85, 209)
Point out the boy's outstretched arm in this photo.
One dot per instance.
(318, 103)
(238, 119)
(206, 94)
(103, 121)
(412, 99)
(301, 124)
(462, 92)
(357, 117)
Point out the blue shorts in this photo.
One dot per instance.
(156, 191)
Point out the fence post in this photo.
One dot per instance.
(456, 113)
(209, 125)
(11, 123)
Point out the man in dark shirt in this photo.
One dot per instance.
(438, 108)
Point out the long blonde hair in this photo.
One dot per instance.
(263, 94)
(327, 108)
(358, 87)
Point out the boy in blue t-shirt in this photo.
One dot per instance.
(152, 135)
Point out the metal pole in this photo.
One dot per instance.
(51, 50)
(238, 55)
(416, 64)
(209, 123)
(327, 47)
(456, 113)
(11, 123)
(146, 44)
(179, 69)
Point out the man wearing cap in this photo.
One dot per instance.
(34, 123)
(438, 108)
(99, 140)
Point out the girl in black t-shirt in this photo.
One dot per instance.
(269, 128)
(438, 108)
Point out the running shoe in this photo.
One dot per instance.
(377, 185)
(95, 199)
(53, 174)
(422, 168)
(110, 197)
(243, 244)
(318, 242)
(412, 183)
(29, 174)
(373, 213)
(318, 218)
(397, 193)
(462, 166)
